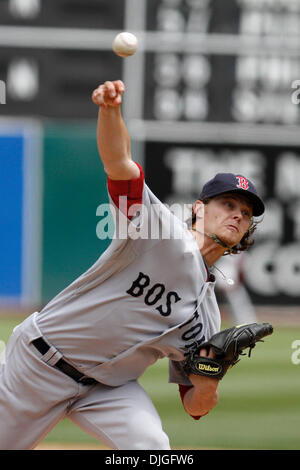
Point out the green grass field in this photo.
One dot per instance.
(258, 406)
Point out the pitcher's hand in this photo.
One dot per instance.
(109, 94)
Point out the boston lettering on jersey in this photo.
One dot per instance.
(152, 294)
(142, 286)
(193, 331)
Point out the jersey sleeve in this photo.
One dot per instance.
(132, 190)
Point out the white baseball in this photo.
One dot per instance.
(125, 44)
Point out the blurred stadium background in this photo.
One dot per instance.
(214, 86)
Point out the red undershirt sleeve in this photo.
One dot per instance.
(131, 189)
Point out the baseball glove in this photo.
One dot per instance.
(227, 346)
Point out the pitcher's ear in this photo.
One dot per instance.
(198, 209)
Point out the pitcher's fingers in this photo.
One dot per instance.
(120, 87)
(110, 89)
(97, 95)
(203, 352)
(117, 100)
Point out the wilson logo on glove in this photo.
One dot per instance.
(208, 368)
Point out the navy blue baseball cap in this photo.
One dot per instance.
(230, 183)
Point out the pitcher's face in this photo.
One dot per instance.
(228, 216)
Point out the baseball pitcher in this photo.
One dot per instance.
(146, 298)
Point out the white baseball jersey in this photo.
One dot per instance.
(144, 299)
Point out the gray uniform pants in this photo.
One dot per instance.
(34, 397)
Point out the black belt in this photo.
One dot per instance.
(43, 347)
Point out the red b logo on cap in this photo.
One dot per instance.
(243, 182)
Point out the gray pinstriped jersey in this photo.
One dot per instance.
(144, 299)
